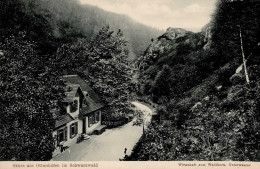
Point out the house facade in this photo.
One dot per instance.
(82, 111)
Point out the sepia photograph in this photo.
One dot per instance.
(83, 82)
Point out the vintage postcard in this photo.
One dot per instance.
(129, 84)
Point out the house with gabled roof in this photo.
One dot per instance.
(83, 111)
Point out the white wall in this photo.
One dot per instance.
(73, 140)
(68, 109)
(80, 124)
(76, 113)
(54, 135)
(89, 130)
(94, 126)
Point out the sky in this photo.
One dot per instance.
(161, 14)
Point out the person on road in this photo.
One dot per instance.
(61, 146)
(125, 150)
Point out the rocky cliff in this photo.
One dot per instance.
(160, 45)
(206, 31)
(173, 41)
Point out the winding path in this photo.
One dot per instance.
(110, 145)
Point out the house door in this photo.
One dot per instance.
(84, 125)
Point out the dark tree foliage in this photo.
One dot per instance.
(162, 83)
(217, 118)
(105, 45)
(208, 132)
(18, 16)
(229, 17)
(103, 63)
(54, 42)
(70, 59)
(191, 62)
(110, 74)
(52, 23)
(185, 56)
(29, 90)
(32, 92)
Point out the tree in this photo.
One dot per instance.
(109, 72)
(229, 19)
(70, 59)
(162, 84)
(243, 56)
(29, 90)
(106, 45)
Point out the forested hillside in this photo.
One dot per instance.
(54, 22)
(207, 88)
(40, 42)
(206, 84)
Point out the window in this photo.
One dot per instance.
(97, 116)
(74, 106)
(73, 129)
(62, 135)
(91, 119)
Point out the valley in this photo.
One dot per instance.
(70, 69)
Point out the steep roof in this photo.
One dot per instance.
(71, 94)
(75, 79)
(62, 120)
(94, 102)
(91, 106)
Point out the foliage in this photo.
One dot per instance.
(185, 56)
(190, 62)
(57, 41)
(29, 91)
(52, 23)
(109, 72)
(103, 63)
(216, 115)
(21, 15)
(161, 86)
(228, 18)
(70, 59)
(210, 132)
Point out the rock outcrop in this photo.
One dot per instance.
(206, 31)
(160, 45)
(174, 33)
(172, 41)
